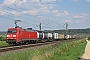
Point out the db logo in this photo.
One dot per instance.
(11, 35)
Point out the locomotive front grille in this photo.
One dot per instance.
(11, 41)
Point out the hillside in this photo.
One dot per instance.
(72, 31)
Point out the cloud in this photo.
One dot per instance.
(18, 7)
(61, 0)
(24, 0)
(44, 10)
(78, 16)
(69, 21)
(2, 12)
(75, 0)
(11, 2)
(31, 12)
(7, 3)
(51, 6)
(82, 15)
(66, 12)
(14, 13)
(88, 0)
(79, 21)
(34, 1)
(57, 13)
(7, 12)
(48, 1)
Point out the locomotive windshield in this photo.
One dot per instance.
(11, 31)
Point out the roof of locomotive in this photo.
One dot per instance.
(19, 28)
(13, 28)
(28, 29)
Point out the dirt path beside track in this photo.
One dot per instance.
(86, 55)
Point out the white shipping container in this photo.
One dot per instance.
(55, 35)
(60, 36)
(49, 35)
(68, 36)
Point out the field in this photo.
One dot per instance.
(70, 50)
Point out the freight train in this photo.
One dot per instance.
(18, 35)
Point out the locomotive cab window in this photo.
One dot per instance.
(11, 31)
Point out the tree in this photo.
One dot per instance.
(89, 38)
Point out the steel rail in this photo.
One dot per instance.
(10, 48)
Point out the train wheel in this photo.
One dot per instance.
(35, 41)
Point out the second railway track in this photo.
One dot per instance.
(5, 49)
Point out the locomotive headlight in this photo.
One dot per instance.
(8, 35)
(14, 35)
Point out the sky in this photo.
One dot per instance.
(52, 14)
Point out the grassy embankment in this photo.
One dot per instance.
(3, 43)
(63, 51)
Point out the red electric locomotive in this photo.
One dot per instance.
(19, 35)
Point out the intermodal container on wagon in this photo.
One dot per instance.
(60, 36)
(55, 36)
(74, 36)
(40, 35)
(49, 35)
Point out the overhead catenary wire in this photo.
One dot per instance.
(6, 18)
(25, 17)
(19, 11)
(22, 9)
(13, 20)
(14, 14)
(37, 16)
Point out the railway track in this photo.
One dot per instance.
(10, 48)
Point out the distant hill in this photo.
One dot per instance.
(72, 31)
(2, 32)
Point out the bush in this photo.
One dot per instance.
(89, 38)
(2, 38)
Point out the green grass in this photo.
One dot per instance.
(3, 43)
(63, 51)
